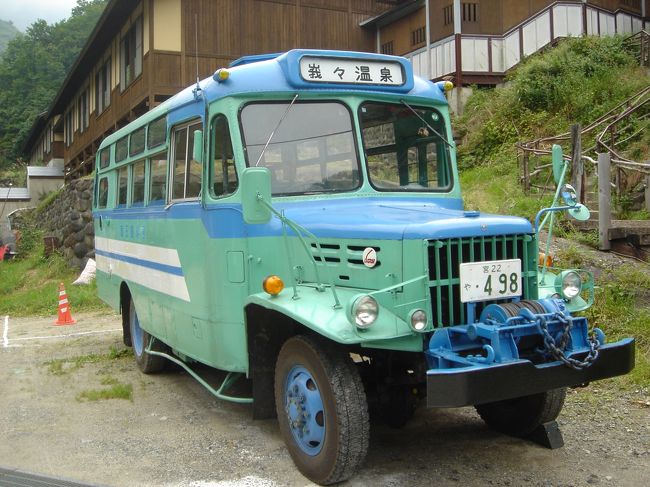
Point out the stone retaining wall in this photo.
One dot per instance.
(68, 218)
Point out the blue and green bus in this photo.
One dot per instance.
(296, 221)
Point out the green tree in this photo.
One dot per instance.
(32, 69)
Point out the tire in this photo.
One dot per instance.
(522, 415)
(329, 431)
(149, 364)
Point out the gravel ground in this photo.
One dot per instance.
(174, 433)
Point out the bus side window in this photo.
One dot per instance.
(122, 186)
(186, 176)
(102, 197)
(224, 175)
(137, 183)
(180, 153)
(158, 179)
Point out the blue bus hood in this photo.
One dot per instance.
(398, 218)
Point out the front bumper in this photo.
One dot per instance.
(465, 386)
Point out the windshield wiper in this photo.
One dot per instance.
(427, 123)
(276, 128)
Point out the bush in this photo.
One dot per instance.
(577, 81)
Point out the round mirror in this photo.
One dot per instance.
(579, 212)
(569, 196)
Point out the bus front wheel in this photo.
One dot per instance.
(322, 409)
(147, 363)
(522, 415)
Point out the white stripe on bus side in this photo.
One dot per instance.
(159, 255)
(160, 281)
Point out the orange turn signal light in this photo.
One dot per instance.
(273, 285)
(544, 260)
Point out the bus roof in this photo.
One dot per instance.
(300, 70)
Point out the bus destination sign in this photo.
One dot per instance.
(351, 71)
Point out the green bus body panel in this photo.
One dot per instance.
(197, 305)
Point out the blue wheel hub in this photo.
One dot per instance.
(137, 336)
(304, 408)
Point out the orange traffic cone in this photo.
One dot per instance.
(65, 317)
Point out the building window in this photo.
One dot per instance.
(103, 87)
(470, 12)
(131, 55)
(387, 48)
(68, 129)
(84, 110)
(418, 35)
(448, 14)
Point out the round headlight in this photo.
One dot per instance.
(364, 311)
(418, 320)
(571, 285)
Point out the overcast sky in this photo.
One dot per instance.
(23, 12)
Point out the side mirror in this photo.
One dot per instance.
(579, 212)
(255, 188)
(569, 196)
(197, 148)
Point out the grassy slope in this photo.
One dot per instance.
(29, 284)
(575, 82)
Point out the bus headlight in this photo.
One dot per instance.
(418, 320)
(364, 311)
(570, 284)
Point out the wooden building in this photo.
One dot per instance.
(477, 41)
(142, 52)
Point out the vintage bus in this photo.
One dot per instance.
(296, 221)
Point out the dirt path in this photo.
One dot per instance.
(173, 433)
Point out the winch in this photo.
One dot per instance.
(540, 332)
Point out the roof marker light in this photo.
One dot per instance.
(445, 85)
(220, 75)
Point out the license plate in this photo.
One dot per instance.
(494, 279)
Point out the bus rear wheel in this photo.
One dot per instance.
(322, 409)
(147, 363)
(522, 415)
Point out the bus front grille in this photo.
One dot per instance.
(445, 257)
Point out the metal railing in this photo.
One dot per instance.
(639, 43)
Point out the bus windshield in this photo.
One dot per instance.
(405, 147)
(311, 151)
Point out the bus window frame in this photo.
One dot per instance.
(354, 128)
(149, 175)
(439, 190)
(171, 160)
(100, 178)
(212, 155)
(148, 146)
(131, 191)
(128, 168)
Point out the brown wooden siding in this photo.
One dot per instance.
(400, 32)
(227, 30)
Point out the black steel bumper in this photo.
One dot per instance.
(481, 384)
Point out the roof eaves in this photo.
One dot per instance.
(390, 16)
